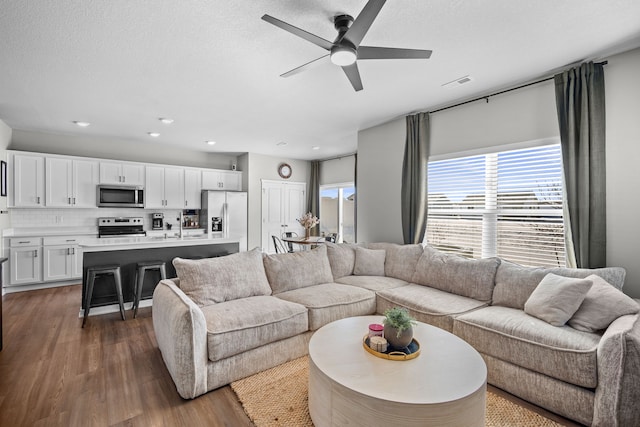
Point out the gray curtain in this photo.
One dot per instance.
(581, 114)
(313, 200)
(414, 179)
(355, 206)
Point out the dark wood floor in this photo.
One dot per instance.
(111, 373)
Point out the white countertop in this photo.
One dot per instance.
(49, 231)
(94, 244)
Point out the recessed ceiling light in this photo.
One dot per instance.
(165, 120)
(315, 147)
(459, 81)
(153, 134)
(281, 144)
(211, 142)
(81, 124)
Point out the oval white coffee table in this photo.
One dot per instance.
(444, 386)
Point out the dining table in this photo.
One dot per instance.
(304, 242)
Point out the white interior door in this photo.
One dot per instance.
(282, 204)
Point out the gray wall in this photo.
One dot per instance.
(523, 115)
(337, 171)
(118, 149)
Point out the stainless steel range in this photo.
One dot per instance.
(121, 227)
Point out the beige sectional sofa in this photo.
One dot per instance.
(227, 318)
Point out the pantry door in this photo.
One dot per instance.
(282, 204)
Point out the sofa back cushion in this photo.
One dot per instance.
(472, 278)
(369, 262)
(298, 270)
(214, 280)
(342, 258)
(401, 260)
(515, 283)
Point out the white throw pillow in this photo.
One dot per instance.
(369, 262)
(602, 305)
(557, 298)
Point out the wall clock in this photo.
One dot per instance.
(284, 170)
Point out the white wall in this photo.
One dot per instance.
(118, 149)
(337, 171)
(518, 116)
(623, 165)
(261, 167)
(380, 154)
(5, 139)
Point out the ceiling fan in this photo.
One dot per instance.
(346, 49)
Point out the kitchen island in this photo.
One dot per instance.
(127, 251)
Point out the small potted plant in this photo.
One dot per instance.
(398, 327)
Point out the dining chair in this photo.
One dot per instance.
(279, 245)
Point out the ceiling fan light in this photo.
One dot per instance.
(343, 55)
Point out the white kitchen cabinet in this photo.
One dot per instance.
(25, 263)
(121, 173)
(71, 183)
(213, 179)
(28, 180)
(165, 188)
(192, 188)
(62, 258)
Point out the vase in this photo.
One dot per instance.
(391, 335)
(307, 233)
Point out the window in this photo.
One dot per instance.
(337, 211)
(506, 204)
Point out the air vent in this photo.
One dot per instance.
(457, 82)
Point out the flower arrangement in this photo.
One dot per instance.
(308, 221)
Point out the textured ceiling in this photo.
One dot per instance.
(213, 65)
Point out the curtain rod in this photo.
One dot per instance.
(337, 157)
(486, 97)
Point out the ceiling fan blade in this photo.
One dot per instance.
(353, 75)
(318, 41)
(371, 52)
(361, 25)
(303, 67)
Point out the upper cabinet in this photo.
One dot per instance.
(221, 180)
(165, 187)
(28, 180)
(192, 188)
(121, 173)
(71, 183)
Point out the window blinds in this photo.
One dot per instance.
(506, 204)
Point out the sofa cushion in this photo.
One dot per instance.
(369, 262)
(373, 283)
(514, 283)
(513, 336)
(214, 280)
(297, 270)
(244, 324)
(557, 298)
(602, 305)
(429, 305)
(332, 301)
(342, 258)
(402, 260)
(473, 278)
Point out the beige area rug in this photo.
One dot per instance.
(278, 397)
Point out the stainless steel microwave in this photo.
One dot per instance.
(120, 196)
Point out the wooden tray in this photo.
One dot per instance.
(394, 355)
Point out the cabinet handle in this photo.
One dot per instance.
(35, 253)
(26, 241)
(70, 240)
(186, 203)
(69, 200)
(38, 199)
(73, 251)
(124, 178)
(74, 200)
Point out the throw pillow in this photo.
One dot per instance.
(342, 258)
(557, 298)
(369, 262)
(214, 280)
(298, 269)
(602, 305)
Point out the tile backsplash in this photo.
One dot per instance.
(36, 218)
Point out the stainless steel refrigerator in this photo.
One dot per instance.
(224, 214)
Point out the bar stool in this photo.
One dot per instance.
(100, 270)
(141, 269)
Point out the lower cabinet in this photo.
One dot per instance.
(48, 259)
